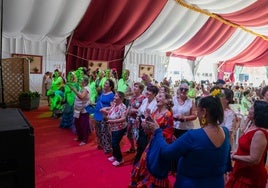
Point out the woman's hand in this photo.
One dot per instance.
(232, 153)
(110, 121)
(132, 111)
(151, 124)
(104, 110)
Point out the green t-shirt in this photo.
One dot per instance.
(122, 85)
(93, 92)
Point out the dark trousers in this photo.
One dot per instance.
(116, 139)
(82, 127)
(142, 143)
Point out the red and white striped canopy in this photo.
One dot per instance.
(230, 31)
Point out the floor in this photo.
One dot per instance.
(43, 101)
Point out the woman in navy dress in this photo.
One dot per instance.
(203, 154)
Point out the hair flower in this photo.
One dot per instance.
(216, 92)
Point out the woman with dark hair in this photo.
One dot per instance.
(134, 103)
(203, 154)
(249, 169)
(101, 128)
(148, 106)
(226, 97)
(116, 119)
(264, 93)
(141, 177)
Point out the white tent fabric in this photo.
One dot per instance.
(221, 7)
(40, 28)
(50, 20)
(176, 24)
(173, 27)
(236, 44)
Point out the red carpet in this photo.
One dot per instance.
(61, 163)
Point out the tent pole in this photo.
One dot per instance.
(219, 67)
(127, 52)
(2, 104)
(69, 42)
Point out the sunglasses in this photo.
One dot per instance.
(183, 89)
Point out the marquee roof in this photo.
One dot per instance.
(233, 32)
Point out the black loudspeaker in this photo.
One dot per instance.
(17, 150)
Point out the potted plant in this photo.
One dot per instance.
(29, 100)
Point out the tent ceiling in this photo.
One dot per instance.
(36, 20)
(231, 31)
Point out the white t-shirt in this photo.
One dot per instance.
(229, 119)
(146, 105)
(182, 109)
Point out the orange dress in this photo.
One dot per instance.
(140, 176)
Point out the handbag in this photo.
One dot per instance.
(90, 109)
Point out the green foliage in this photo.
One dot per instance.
(30, 94)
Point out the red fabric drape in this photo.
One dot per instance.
(226, 67)
(253, 51)
(251, 16)
(180, 56)
(210, 37)
(107, 27)
(260, 61)
(254, 55)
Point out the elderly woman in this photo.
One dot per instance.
(134, 104)
(148, 106)
(249, 168)
(116, 115)
(141, 177)
(184, 111)
(81, 117)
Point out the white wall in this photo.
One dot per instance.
(53, 56)
(135, 58)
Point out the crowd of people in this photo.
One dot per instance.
(160, 123)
